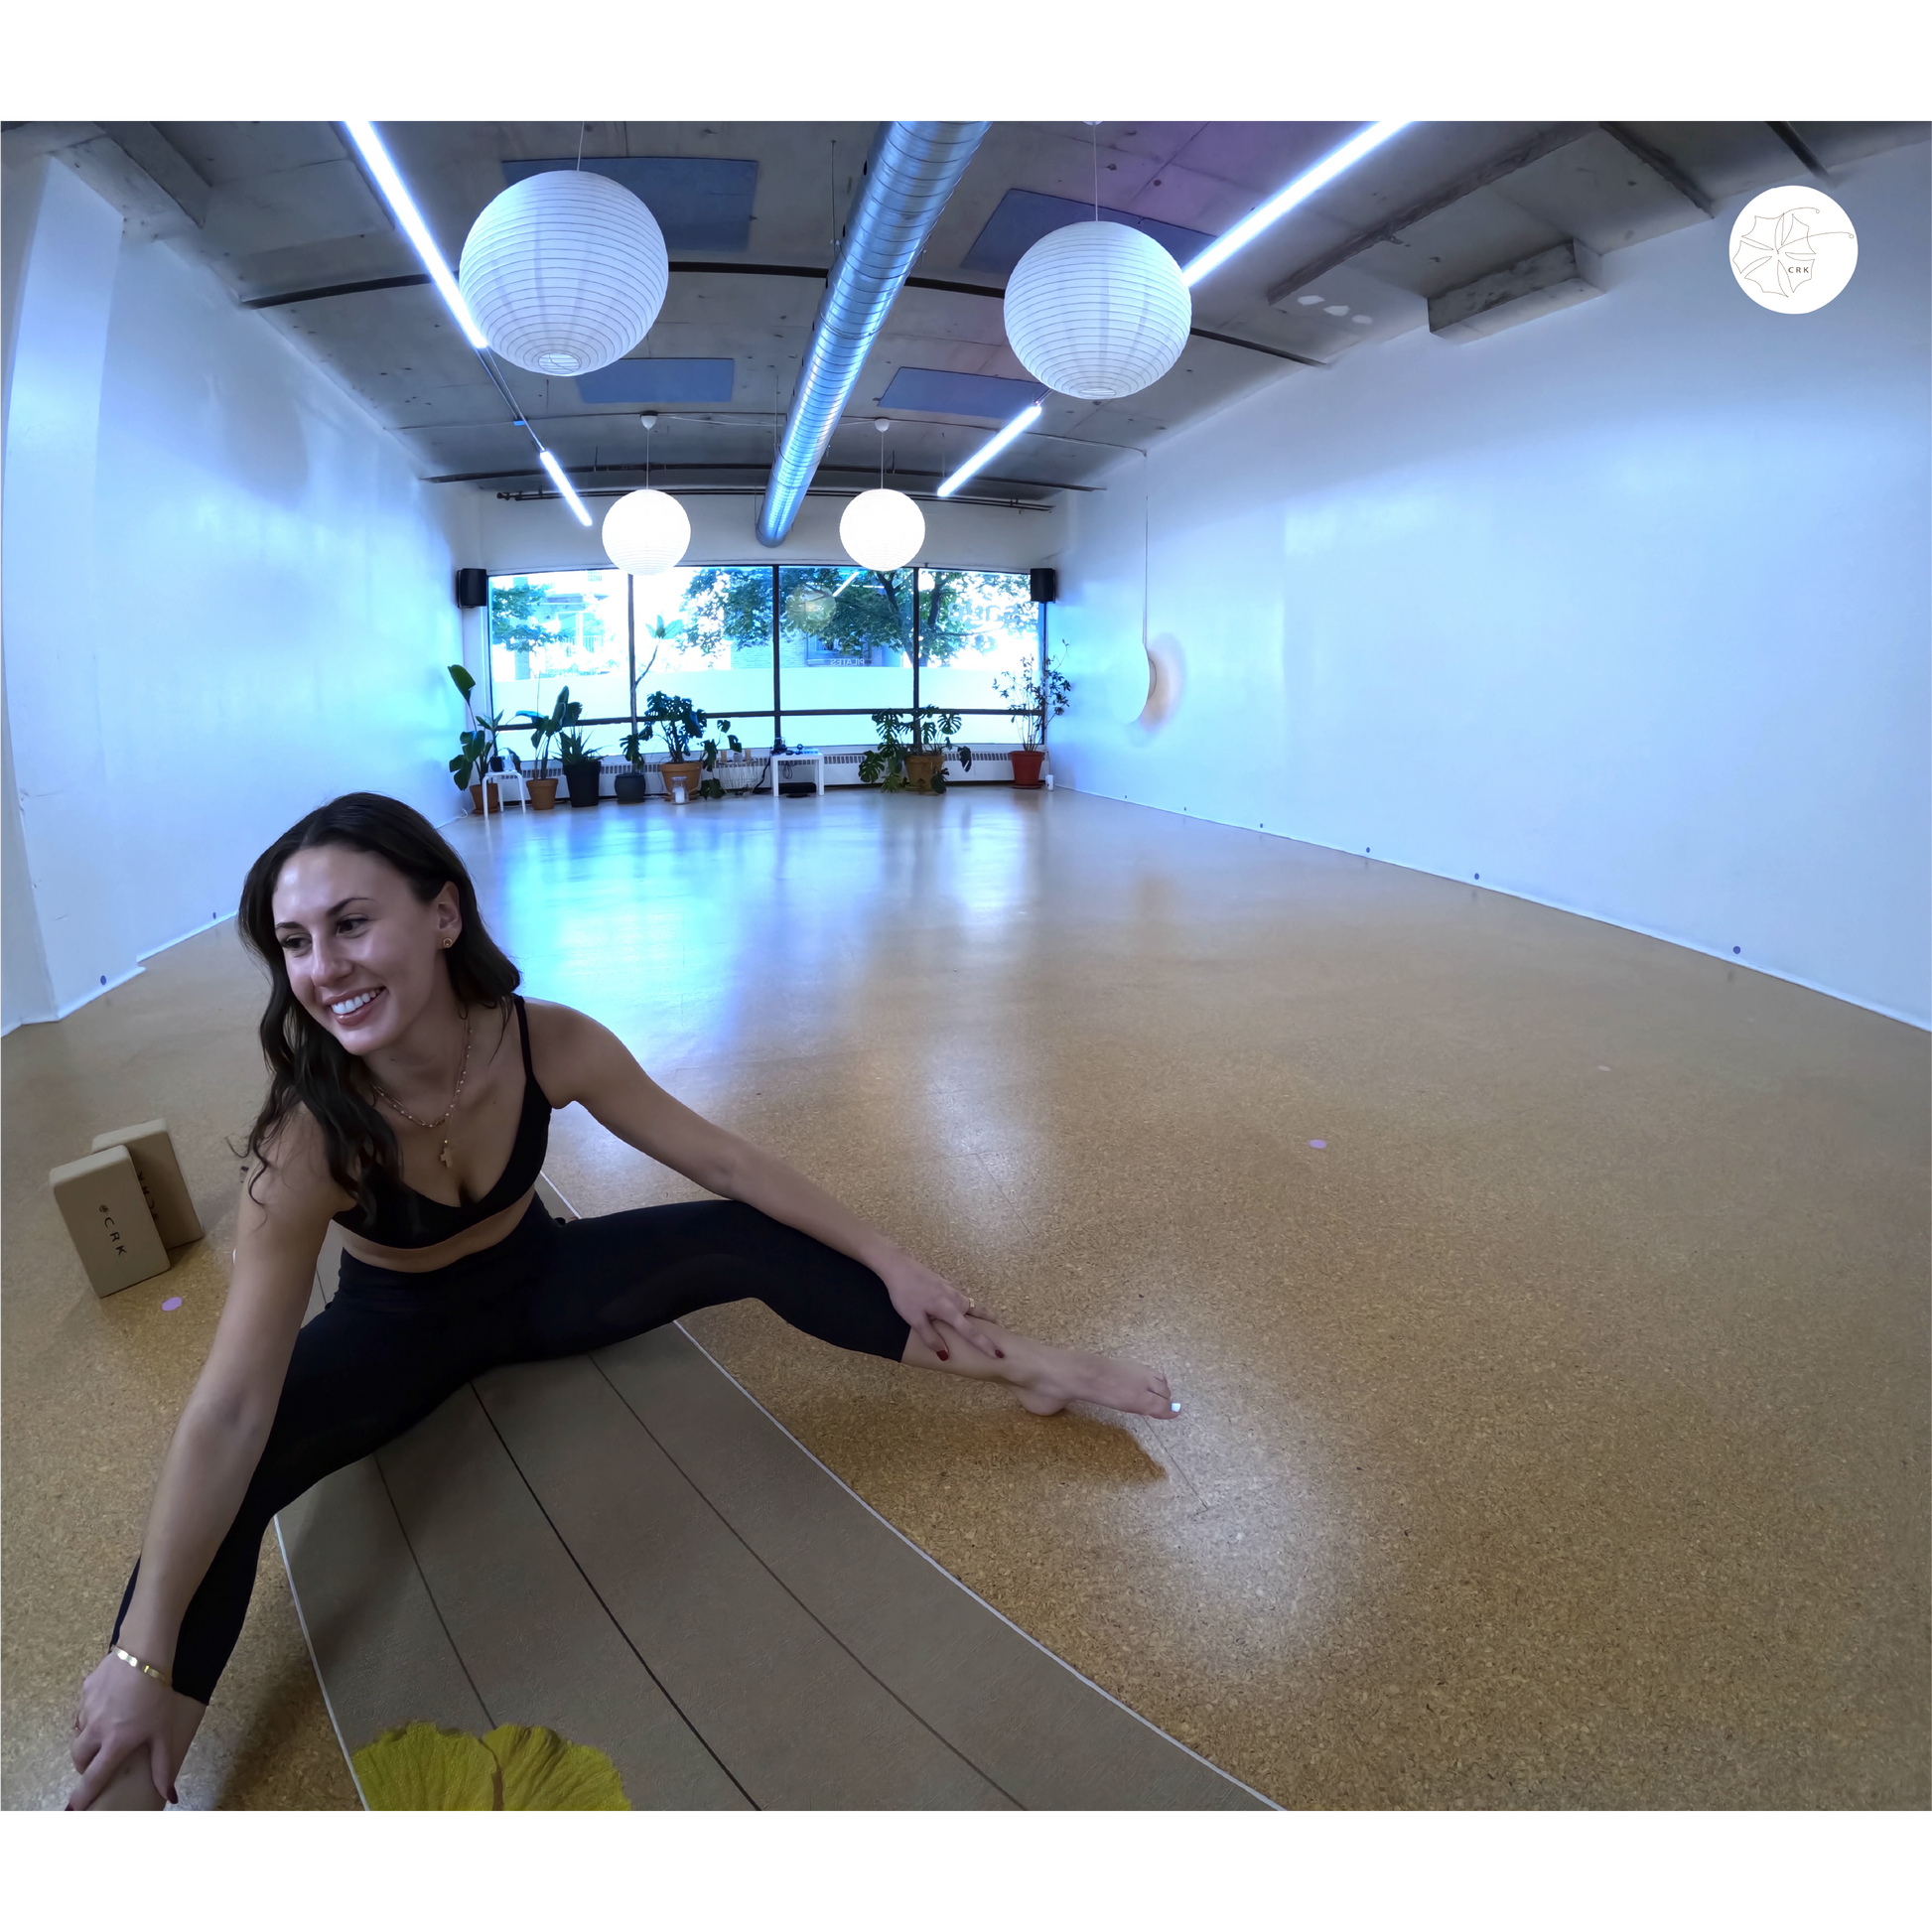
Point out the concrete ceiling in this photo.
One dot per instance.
(284, 208)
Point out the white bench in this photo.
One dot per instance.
(816, 759)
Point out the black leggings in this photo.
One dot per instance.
(390, 1348)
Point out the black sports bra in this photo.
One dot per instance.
(403, 1218)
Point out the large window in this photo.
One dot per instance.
(847, 642)
(563, 627)
(706, 635)
(973, 625)
(844, 651)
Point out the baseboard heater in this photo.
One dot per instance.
(841, 768)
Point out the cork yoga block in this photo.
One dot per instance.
(153, 1154)
(106, 1213)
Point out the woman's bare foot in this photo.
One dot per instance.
(1063, 1375)
(1049, 1378)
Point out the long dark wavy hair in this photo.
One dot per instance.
(307, 1065)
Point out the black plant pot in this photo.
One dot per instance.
(583, 780)
(631, 787)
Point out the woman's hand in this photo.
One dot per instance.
(922, 1297)
(124, 1714)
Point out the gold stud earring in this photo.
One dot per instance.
(448, 943)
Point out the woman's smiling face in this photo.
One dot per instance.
(360, 947)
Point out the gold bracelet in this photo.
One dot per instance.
(147, 1670)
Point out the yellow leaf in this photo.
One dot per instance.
(422, 1768)
(544, 1772)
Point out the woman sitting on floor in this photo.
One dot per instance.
(405, 1072)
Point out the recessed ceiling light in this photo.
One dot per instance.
(1308, 301)
(1363, 320)
(1337, 309)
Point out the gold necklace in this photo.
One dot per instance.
(461, 1075)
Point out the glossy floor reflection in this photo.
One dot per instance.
(1555, 1432)
(1553, 1435)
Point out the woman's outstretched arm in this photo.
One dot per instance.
(124, 1713)
(587, 1062)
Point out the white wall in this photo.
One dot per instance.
(723, 530)
(227, 598)
(1625, 609)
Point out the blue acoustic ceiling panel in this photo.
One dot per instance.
(945, 393)
(1023, 216)
(699, 202)
(659, 378)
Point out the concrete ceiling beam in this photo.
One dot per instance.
(1662, 165)
(1434, 203)
(1556, 278)
(167, 167)
(1809, 160)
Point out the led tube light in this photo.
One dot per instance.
(562, 481)
(988, 451)
(1299, 190)
(362, 133)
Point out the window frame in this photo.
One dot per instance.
(779, 711)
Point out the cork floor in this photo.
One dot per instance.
(721, 1616)
(1554, 1433)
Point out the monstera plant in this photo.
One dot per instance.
(913, 749)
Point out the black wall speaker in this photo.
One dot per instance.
(473, 589)
(1046, 585)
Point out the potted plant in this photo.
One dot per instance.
(1030, 708)
(471, 765)
(470, 768)
(546, 727)
(731, 757)
(630, 785)
(912, 755)
(583, 766)
(682, 723)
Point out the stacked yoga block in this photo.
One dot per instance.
(125, 1205)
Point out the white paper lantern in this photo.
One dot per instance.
(1097, 310)
(564, 272)
(646, 532)
(881, 530)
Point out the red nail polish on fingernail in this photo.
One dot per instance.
(943, 1356)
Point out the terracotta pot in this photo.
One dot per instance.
(921, 768)
(477, 800)
(543, 794)
(584, 777)
(1026, 769)
(689, 769)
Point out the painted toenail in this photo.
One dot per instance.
(1175, 1407)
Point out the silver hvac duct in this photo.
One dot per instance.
(911, 169)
